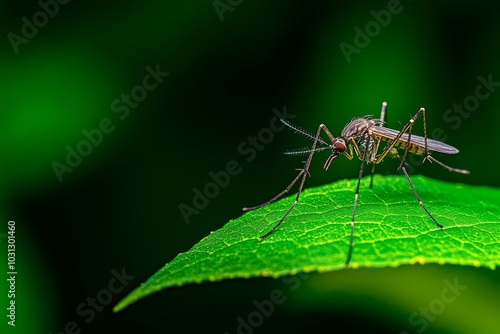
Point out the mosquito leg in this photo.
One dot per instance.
(427, 155)
(356, 195)
(383, 112)
(302, 175)
(425, 134)
(408, 127)
(302, 170)
(382, 119)
(388, 148)
(408, 142)
(431, 158)
(262, 237)
(287, 189)
(410, 123)
(418, 198)
(451, 169)
(371, 178)
(401, 166)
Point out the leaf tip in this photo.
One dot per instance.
(118, 307)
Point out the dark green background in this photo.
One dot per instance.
(119, 207)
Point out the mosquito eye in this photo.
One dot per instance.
(340, 147)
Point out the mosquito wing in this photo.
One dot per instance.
(432, 145)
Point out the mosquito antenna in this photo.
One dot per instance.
(305, 150)
(302, 131)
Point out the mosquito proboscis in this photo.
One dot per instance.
(361, 137)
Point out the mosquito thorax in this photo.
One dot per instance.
(357, 127)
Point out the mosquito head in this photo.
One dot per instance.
(337, 147)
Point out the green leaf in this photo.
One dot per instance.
(391, 229)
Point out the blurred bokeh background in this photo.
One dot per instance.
(67, 69)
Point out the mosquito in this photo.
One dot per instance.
(361, 137)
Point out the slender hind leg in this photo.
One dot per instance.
(422, 205)
(409, 127)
